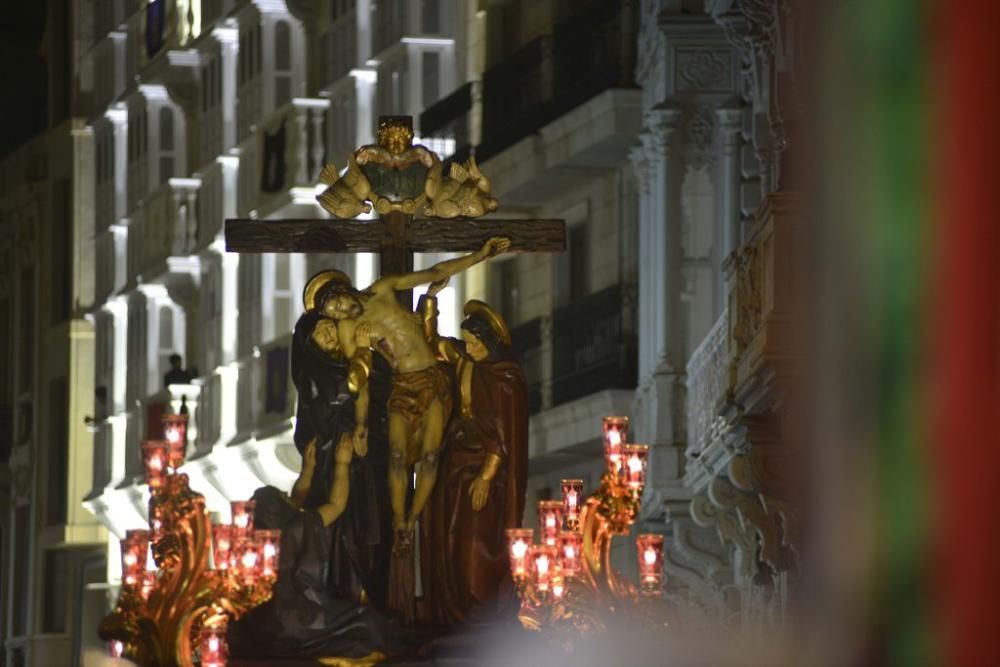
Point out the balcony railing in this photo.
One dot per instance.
(709, 385)
(286, 151)
(448, 118)
(594, 345)
(548, 77)
(527, 340)
(167, 227)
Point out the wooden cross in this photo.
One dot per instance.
(395, 235)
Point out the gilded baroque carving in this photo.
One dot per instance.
(702, 71)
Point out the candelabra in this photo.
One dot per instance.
(566, 582)
(172, 601)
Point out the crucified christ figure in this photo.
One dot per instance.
(420, 400)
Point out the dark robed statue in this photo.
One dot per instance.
(480, 490)
(336, 522)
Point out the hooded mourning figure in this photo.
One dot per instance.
(332, 574)
(480, 491)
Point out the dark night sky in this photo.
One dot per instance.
(23, 89)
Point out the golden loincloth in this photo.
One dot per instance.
(413, 392)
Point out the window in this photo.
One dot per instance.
(282, 64)
(22, 560)
(431, 64)
(62, 238)
(506, 290)
(58, 437)
(166, 144)
(56, 591)
(572, 279)
(430, 16)
(26, 349)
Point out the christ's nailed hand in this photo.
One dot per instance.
(495, 246)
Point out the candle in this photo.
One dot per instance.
(154, 458)
(649, 548)
(268, 547)
(246, 560)
(134, 548)
(116, 648)
(222, 545)
(615, 435)
(242, 518)
(570, 553)
(175, 434)
(543, 567)
(519, 543)
(214, 651)
(636, 459)
(572, 496)
(550, 520)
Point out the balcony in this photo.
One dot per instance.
(546, 78)
(286, 151)
(709, 387)
(594, 345)
(166, 226)
(448, 118)
(266, 397)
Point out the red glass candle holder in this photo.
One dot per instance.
(134, 549)
(543, 567)
(213, 648)
(558, 585)
(175, 434)
(154, 460)
(635, 462)
(222, 545)
(615, 436)
(116, 648)
(246, 560)
(268, 547)
(650, 553)
(570, 553)
(519, 541)
(550, 521)
(572, 500)
(242, 518)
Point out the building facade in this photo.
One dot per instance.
(651, 127)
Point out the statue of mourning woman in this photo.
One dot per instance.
(336, 521)
(480, 490)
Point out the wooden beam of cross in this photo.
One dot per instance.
(397, 178)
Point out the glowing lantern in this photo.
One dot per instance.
(116, 648)
(214, 651)
(268, 547)
(650, 554)
(636, 460)
(615, 435)
(242, 518)
(154, 459)
(175, 434)
(222, 545)
(550, 520)
(570, 553)
(519, 544)
(572, 498)
(543, 567)
(246, 561)
(134, 549)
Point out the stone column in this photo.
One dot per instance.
(730, 123)
(660, 396)
(228, 39)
